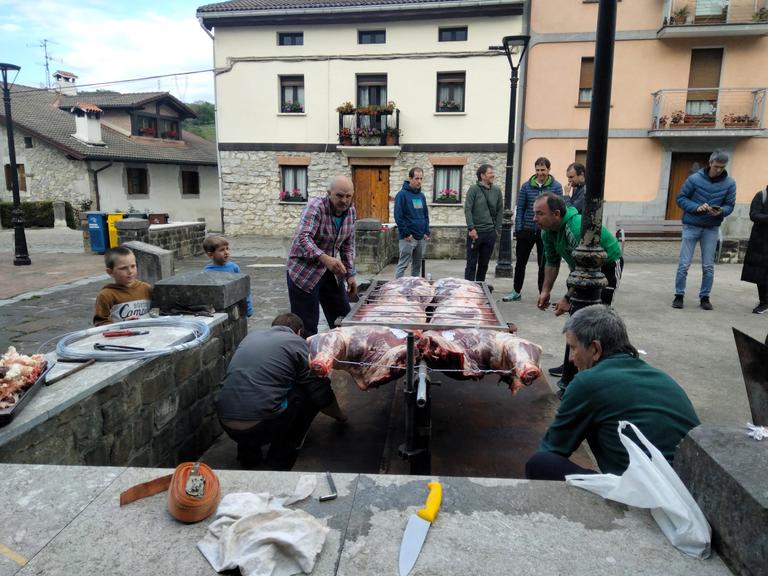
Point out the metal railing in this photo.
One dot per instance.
(370, 126)
(709, 109)
(714, 12)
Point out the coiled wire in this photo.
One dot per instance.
(199, 334)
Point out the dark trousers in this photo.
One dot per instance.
(762, 293)
(525, 240)
(328, 293)
(612, 272)
(479, 255)
(283, 434)
(551, 466)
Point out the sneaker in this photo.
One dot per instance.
(705, 303)
(557, 371)
(678, 301)
(512, 296)
(760, 309)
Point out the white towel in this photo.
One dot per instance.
(259, 535)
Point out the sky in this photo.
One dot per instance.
(108, 41)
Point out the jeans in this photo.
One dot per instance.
(551, 466)
(328, 293)
(479, 255)
(411, 252)
(525, 240)
(707, 237)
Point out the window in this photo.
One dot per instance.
(169, 129)
(457, 34)
(290, 38)
(581, 157)
(28, 142)
(136, 180)
(20, 173)
(294, 184)
(447, 185)
(704, 73)
(450, 91)
(292, 94)
(190, 182)
(371, 36)
(371, 90)
(146, 126)
(585, 80)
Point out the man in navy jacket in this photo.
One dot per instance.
(412, 218)
(706, 197)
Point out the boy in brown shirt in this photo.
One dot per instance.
(127, 298)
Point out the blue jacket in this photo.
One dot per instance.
(411, 213)
(527, 196)
(231, 267)
(699, 189)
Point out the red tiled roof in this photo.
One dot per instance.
(64, 74)
(85, 107)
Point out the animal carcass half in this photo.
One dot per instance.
(471, 352)
(372, 355)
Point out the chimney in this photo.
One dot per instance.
(87, 123)
(65, 82)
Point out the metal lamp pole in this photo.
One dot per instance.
(17, 216)
(512, 46)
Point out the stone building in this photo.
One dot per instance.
(309, 89)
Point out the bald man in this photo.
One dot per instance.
(321, 269)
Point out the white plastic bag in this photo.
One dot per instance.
(652, 483)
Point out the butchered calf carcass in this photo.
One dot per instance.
(468, 353)
(372, 355)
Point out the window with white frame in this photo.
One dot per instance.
(447, 185)
(293, 181)
(450, 91)
(292, 94)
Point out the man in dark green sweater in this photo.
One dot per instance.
(483, 210)
(612, 384)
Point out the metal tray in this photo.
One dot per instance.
(7, 414)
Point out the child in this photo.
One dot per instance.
(217, 249)
(127, 298)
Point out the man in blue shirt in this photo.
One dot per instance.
(412, 218)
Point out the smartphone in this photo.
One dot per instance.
(715, 207)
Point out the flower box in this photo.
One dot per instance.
(441, 200)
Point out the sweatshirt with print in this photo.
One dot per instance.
(116, 303)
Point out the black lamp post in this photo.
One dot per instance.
(17, 216)
(514, 47)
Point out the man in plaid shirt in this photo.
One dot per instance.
(322, 256)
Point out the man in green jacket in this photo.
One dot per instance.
(483, 210)
(613, 384)
(561, 234)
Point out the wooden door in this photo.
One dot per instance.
(371, 192)
(683, 165)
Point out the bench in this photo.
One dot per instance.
(649, 229)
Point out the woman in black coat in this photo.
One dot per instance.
(756, 259)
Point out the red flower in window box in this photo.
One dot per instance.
(147, 131)
(172, 134)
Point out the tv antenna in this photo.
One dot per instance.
(48, 58)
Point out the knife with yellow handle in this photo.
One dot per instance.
(417, 528)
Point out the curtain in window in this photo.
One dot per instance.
(447, 184)
(294, 183)
(450, 92)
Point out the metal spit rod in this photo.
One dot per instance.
(421, 391)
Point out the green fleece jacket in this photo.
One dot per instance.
(484, 208)
(562, 243)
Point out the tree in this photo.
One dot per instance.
(205, 123)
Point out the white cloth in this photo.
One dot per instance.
(757, 432)
(259, 535)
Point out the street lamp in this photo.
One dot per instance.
(17, 216)
(514, 47)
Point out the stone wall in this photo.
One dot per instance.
(158, 414)
(183, 239)
(251, 185)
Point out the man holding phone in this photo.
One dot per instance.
(706, 197)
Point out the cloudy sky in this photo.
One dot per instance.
(110, 40)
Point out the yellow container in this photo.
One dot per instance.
(113, 217)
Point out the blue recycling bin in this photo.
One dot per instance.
(98, 231)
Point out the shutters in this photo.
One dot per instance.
(585, 80)
(705, 73)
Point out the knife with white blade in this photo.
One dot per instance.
(417, 528)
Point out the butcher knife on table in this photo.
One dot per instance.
(417, 528)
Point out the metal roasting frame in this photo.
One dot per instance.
(417, 384)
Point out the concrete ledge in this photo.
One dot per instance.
(218, 289)
(727, 473)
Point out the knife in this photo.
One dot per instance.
(417, 528)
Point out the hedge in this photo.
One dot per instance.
(37, 214)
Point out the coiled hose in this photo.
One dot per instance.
(199, 334)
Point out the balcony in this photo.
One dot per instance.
(369, 126)
(728, 112)
(703, 18)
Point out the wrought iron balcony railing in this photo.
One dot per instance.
(715, 12)
(370, 126)
(709, 109)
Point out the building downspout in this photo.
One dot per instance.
(520, 120)
(216, 120)
(95, 174)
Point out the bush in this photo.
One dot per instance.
(37, 214)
